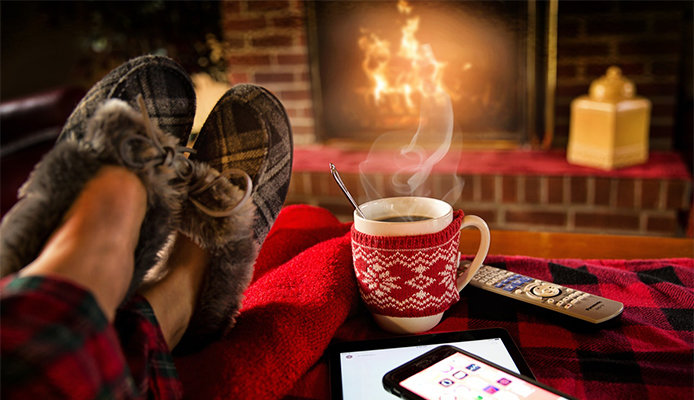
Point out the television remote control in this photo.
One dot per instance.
(564, 300)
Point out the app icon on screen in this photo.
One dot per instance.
(473, 367)
(459, 375)
(445, 382)
(445, 368)
(491, 389)
(504, 381)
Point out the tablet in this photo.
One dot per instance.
(357, 368)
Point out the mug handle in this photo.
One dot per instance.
(475, 222)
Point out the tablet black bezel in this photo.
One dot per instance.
(417, 340)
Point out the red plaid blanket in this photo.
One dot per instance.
(304, 296)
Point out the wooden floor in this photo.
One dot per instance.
(582, 246)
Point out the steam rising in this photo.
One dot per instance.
(414, 162)
(411, 164)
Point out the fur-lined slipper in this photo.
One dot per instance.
(115, 135)
(218, 217)
(166, 87)
(169, 98)
(247, 133)
(248, 129)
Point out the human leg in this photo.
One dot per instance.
(173, 298)
(93, 247)
(169, 101)
(111, 187)
(248, 130)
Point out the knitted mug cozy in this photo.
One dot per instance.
(408, 276)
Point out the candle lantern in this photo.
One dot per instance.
(609, 126)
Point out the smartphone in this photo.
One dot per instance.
(357, 367)
(448, 372)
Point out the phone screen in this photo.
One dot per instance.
(362, 370)
(459, 376)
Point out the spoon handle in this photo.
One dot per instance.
(336, 175)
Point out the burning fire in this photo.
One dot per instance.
(399, 79)
(403, 83)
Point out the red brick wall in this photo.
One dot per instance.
(540, 202)
(266, 44)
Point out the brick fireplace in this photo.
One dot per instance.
(266, 42)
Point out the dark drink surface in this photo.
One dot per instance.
(403, 218)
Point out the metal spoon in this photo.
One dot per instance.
(336, 175)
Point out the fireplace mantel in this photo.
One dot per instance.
(525, 189)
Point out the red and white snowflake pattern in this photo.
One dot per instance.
(409, 276)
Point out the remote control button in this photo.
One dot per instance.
(571, 296)
(528, 292)
(546, 291)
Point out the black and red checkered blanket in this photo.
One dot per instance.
(304, 296)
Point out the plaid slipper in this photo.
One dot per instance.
(218, 217)
(169, 98)
(169, 102)
(247, 135)
(163, 83)
(248, 129)
(115, 135)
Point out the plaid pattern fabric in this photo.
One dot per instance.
(166, 88)
(304, 295)
(146, 351)
(647, 352)
(57, 343)
(249, 129)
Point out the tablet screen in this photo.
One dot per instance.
(360, 369)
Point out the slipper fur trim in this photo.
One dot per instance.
(229, 242)
(60, 176)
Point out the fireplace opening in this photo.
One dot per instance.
(376, 65)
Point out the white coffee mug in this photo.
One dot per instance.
(436, 216)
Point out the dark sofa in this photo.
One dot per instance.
(29, 127)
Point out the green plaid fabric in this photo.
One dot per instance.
(56, 343)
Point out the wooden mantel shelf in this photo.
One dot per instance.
(555, 245)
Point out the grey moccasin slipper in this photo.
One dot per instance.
(248, 129)
(114, 135)
(169, 99)
(246, 137)
(165, 86)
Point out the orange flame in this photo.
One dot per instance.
(397, 81)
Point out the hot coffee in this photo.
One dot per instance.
(403, 218)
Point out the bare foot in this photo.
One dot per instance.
(174, 298)
(94, 245)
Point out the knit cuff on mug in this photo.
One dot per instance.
(408, 276)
